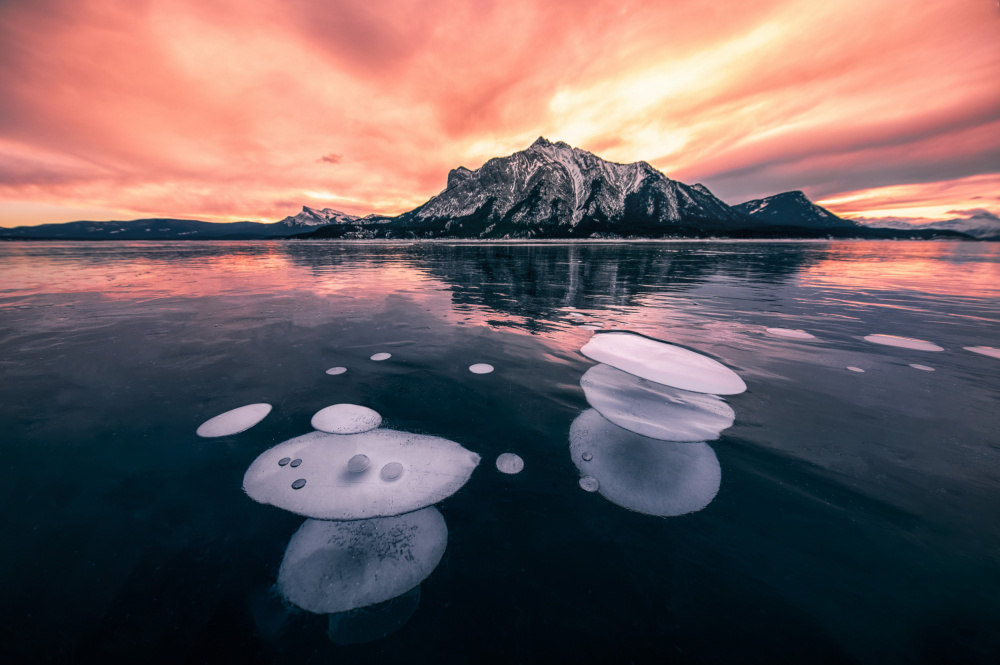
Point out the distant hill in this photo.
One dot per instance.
(982, 225)
(792, 209)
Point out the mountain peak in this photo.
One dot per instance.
(791, 209)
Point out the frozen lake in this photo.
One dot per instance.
(844, 508)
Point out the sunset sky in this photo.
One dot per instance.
(227, 110)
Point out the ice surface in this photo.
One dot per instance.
(346, 419)
(856, 369)
(480, 368)
(984, 350)
(903, 342)
(655, 410)
(333, 371)
(381, 356)
(510, 463)
(642, 474)
(922, 367)
(432, 470)
(663, 363)
(339, 566)
(235, 421)
(367, 624)
(789, 333)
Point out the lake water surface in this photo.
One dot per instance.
(857, 518)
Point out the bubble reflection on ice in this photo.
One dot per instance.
(332, 567)
(645, 475)
(655, 410)
(346, 419)
(903, 342)
(663, 363)
(433, 469)
(235, 421)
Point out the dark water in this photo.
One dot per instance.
(858, 517)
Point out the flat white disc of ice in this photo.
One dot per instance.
(903, 342)
(235, 421)
(338, 566)
(655, 410)
(334, 371)
(346, 419)
(642, 474)
(856, 369)
(480, 368)
(510, 463)
(984, 350)
(924, 368)
(405, 472)
(789, 333)
(381, 356)
(663, 363)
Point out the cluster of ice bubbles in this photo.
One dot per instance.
(372, 534)
(643, 444)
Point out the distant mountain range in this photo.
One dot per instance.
(549, 190)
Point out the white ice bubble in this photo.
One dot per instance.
(430, 470)
(480, 368)
(346, 419)
(922, 367)
(984, 350)
(510, 463)
(334, 371)
(789, 333)
(235, 421)
(381, 356)
(903, 342)
(663, 363)
(642, 474)
(334, 567)
(589, 484)
(655, 410)
(856, 369)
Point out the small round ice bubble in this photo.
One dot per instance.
(856, 369)
(391, 471)
(922, 367)
(789, 333)
(358, 463)
(589, 484)
(235, 421)
(299, 484)
(903, 342)
(984, 350)
(381, 356)
(663, 363)
(510, 463)
(480, 368)
(346, 419)
(586, 457)
(333, 567)
(334, 371)
(295, 463)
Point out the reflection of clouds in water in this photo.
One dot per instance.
(334, 567)
(346, 419)
(433, 469)
(903, 342)
(655, 410)
(235, 421)
(645, 475)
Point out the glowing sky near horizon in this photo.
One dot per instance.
(248, 109)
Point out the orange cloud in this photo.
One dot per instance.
(217, 109)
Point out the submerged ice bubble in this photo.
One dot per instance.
(903, 342)
(789, 333)
(480, 368)
(391, 471)
(358, 464)
(509, 463)
(642, 474)
(367, 624)
(333, 371)
(381, 356)
(663, 363)
(984, 350)
(589, 484)
(346, 419)
(334, 567)
(430, 470)
(235, 421)
(655, 410)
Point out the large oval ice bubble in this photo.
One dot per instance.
(642, 474)
(432, 469)
(339, 566)
(903, 342)
(655, 410)
(663, 363)
(235, 421)
(346, 419)
(367, 624)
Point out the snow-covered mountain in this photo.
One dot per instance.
(792, 209)
(312, 217)
(982, 224)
